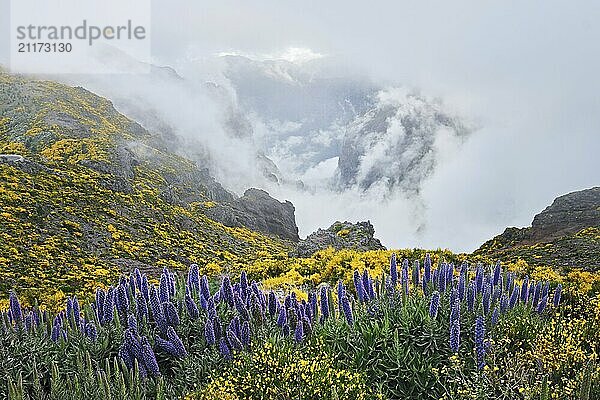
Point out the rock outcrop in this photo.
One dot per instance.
(258, 211)
(566, 233)
(567, 215)
(340, 235)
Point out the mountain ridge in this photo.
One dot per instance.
(564, 234)
(87, 192)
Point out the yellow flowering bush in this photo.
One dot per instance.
(278, 372)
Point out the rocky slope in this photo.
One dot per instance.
(340, 235)
(85, 192)
(566, 233)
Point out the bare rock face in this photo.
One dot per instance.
(258, 211)
(340, 235)
(565, 234)
(568, 214)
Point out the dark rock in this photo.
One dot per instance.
(567, 214)
(23, 163)
(340, 235)
(258, 211)
(562, 235)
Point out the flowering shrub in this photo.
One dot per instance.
(417, 330)
(278, 371)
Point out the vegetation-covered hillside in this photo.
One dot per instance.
(86, 193)
(565, 235)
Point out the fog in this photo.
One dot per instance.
(522, 75)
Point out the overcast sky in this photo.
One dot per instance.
(527, 71)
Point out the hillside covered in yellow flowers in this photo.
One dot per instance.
(86, 194)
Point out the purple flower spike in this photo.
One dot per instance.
(479, 278)
(471, 292)
(514, 298)
(176, 341)
(192, 308)
(233, 339)
(15, 308)
(272, 304)
(557, 292)
(55, 334)
(366, 281)
(100, 297)
(358, 286)
(170, 313)
(76, 311)
(166, 346)
(132, 323)
(126, 356)
(441, 278)
(455, 310)
(324, 303)
(141, 307)
(132, 283)
(497, 272)
(144, 288)
(416, 274)
(240, 306)
(405, 277)
(434, 304)
(209, 333)
(164, 288)
(245, 334)
(138, 277)
(244, 284)
(149, 358)
(91, 332)
(109, 306)
(299, 332)
(536, 294)
(347, 311)
(525, 290)
(393, 270)
(122, 302)
(224, 349)
(486, 299)
(462, 283)
(204, 289)
(455, 335)
(194, 278)
(542, 305)
(546, 289)
(427, 273)
(282, 318)
(480, 342)
(503, 303)
(227, 290)
(495, 315)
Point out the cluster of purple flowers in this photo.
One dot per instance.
(142, 309)
(488, 291)
(136, 350)
(32, 320)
